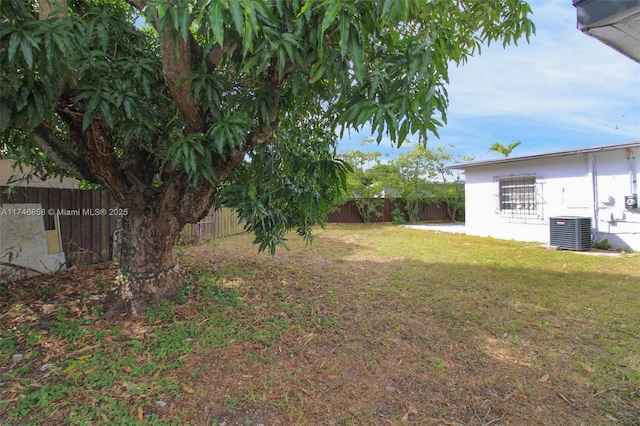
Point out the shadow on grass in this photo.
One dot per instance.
(429, 341)
(350, 332)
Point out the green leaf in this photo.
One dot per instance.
(251, 62)
(357, 57)
(247, 37)
(306, 6)
(105, 110)
(27, 52)
(14, 42)
(216, 21)
(387, 7)
(253, 191)
(162, 9)
(317, 71)
(5, 29)
(345, 25)
(236, 15)
(288, 42)
(184, 22)
(264, 112)
(330, 16)
(404, 131)
(39, 104)
(103, 35)
(282, 60)
(190, 163)
(90, 110)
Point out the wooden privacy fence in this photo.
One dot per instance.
(348, 212)
(86, 237)
(88, 219)
(217, 224)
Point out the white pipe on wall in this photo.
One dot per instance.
(632, 171)
(591, 167)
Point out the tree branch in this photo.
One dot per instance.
(139, 163)
(99, 160)
(57, 150)
(200, 197)
(137, 4)
(177, 66)
(98, 148)
(260, 134)
(216, 54)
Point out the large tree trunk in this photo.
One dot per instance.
(148, 270)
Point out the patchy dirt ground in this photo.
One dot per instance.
(387, 362)
(365, 353)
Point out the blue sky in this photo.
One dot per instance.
(563, 90)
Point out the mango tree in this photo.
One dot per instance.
(174, 105)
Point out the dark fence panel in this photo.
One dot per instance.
(348, 212)
(86, 236)
(434, 212)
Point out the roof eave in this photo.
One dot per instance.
(616, 23)
(546, 155)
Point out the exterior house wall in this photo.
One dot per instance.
(7, 171)
(590, 184)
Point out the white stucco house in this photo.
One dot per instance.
(518, 197)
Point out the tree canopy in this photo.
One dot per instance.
(367, 182)
(172, 105)
(418, 177)
(422, 173)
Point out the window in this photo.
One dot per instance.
(517, 195)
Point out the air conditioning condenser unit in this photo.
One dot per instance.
(570, 232)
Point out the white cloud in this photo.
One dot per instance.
(562, 77)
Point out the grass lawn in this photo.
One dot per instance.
(372, 324)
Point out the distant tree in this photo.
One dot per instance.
(452, 195)
(424, 179)
(504, 150)
(229, 101)
(367, 183)
(384, 176)
(417, 169)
